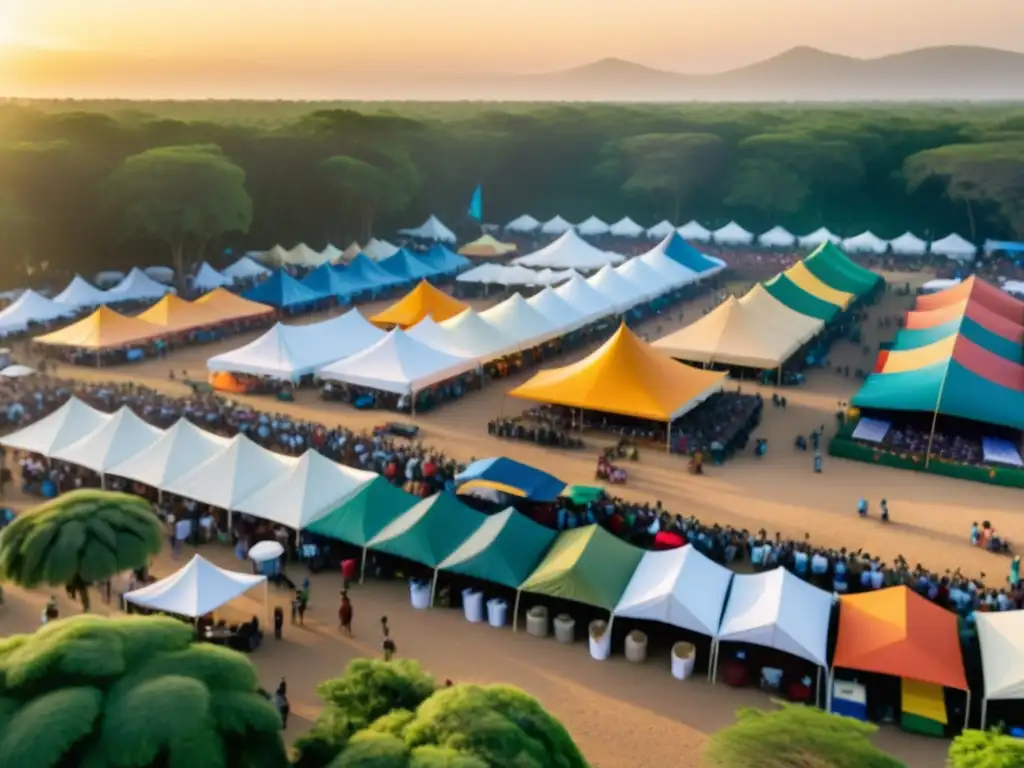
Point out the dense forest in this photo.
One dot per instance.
(319, 172)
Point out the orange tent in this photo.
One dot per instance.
(897, 632)
(227, 306)
(175, 314)
(421, 301)
(222, 381)
(103, 329)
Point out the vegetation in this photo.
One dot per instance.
(79, 539)
(391, 715)
(985, 749)
(131, 692)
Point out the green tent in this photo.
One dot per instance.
(785, 291)
(364, 515)
(504, 550)
(582, 494)
(834, 268)
(429, 531)
(588, 565)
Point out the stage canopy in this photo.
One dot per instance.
(504, 550)
(897, 632)
(62, 428)
(865, 242)
(103, 329)
(283, 291)
(1001, 636)
(570, 251)
(908, 244)
(694, 230)
(430, 531)
(588, 565)
(443, 261)
(362, 516)
(81, 293)
(177, 451)
(118, 439)
(431, 229)
(137, 286)
(227, 306)
(197, 589)
(626, 227)
(487, 247)
(421, 301)
(245, 269)
(732, 234)
(624, 376)
(481, 340)
(511, 477)
(777, 237)
(592, 227)
(31, 307)
(524, 223)
(517, 320)
(407, 266)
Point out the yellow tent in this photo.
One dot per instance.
(803, 278)
(773, 313)
(175, 314)
(421, 301)
(227, 306)
(103, 329)
(627, 377)
(487, 247)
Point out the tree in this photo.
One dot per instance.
(390, 715)
(182, 196)
(371, 188)
(78, 539)
(767, 186)
(985, 749)
(131, 692)
(14, 231)
(795, 736)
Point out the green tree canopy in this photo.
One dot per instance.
(767, 186)
(369, 187)
(793, 736)
(985, 749)
(131, 692)
(78, 539)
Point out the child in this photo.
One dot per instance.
(345, 614)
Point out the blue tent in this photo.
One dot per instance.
(444, 261)
(405, 265)
(682, 252)
(329, 281)
(370, 272)
(511, 477)
(283, 291)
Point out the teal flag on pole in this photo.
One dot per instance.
(476, 204)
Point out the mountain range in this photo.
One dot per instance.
(946, 73)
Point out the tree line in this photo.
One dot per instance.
(86, 186)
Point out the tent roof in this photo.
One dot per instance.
(1001, 636)
(865, 242)
(444, 261)
(618, 288)
(577, 293)
(557, 310)
(304, 256)
(431, 229)
(407, 266)
(626, 227)
(81, 293)
(776, 609)
(331, 253)
(684, 254)
(570, 251)
(805, 279)
(281, 290)
(362, 516)
(908, 244)
(671, 271)
(732, 233)
(645, 277)
(226, 306)
(207, 278)
(353, 250)
(694, 230)
(103, 329)
(477, 337)
(818, 237)
(136, 287)
(588, 565)
(65, 426)
(504, 550)
(511, 477)
(518, 321)
(593, 226)
(379, 249)
(421, 301)
(524, 223)
(556, 226)
(777, 237)
(370, 272)
(775, 314)
(680, 587)
(897, 632)
(662, 229)
(954, 246)
(785, 291)
(976, 290)
(160, 274)
(112, 443)
(834, 268)
(31, 307)
(178, 450)
(624, 376)
(327, 280)
(245, 268)
(487, 247)
(308, 490)
(430, 531)
(426, 331)
(196, 589)
(175, 314)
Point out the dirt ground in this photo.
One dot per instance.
(614, 709)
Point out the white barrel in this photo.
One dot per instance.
(636, 647)
(565, 628)
(419, 594)
(600, 640)
(683, 657)
(537, 621)
(473, 605)
(497, 612)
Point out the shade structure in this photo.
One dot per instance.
(160, 274)
(778, 610)
(275, 256)
(81, 293)
(955, 247)
(511, 477)
(908, 244)
(65, 426)
(304, 256)
(694, 230)
(977, 291)
(31, 307)
(350, 252)
(578, 294)
(773, 313)
(593, 227)
(625, 227)
(431, 229)
(118, 439)
(478, 338)
(108, 278)
(834, 268)
(679, 587)
(515, 275)
(865, 242)
(228, 306)
(621, 292)
(818, 237)
(444, 261)
(195, 590)
(17, 371)
(362, 516)
(803, 278)
(732, 234)
(137, 286)
(179, 450)
(1001, 637)
(517, 320)
(407, 266)
(429, 531)
(557, 310)
(505, 549)
(627, 377)
(646, 278)
(898, 632)
(588, 565)
(326, 280)
(174, 314)
(399, 364)
(377, 250)
(103, 329)
(331, 253)
(674, 274)
(661, 230)
(684, 254)
(777, 237)
(524, 223)
(308, 490)
(570, 251)
(556, 226)
(245, 269)
(488, 247)
(283, 291)
(370, 272)
(788, 293)
(207, 278)
(426, 331)
(421, 301)
(231, 475)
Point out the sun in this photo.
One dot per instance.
(12, 33)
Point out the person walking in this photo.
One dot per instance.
(345, 614)
(281, 702)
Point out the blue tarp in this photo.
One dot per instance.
(511, 477)
(404, 264)
(446, 262)
(682, 252)
(283, 291)
(1006, 246)
(370, 272)
(329, 281)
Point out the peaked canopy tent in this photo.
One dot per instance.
(976, 290)
(326, 280)
(694, 230)
(557, 310)
(518, 321)
(908, 244)
(364, 269)
(365, 514)
(570, 251)
(207, 278)
(176, 315)
(834, 268)
(661, 230)
(620, 292)
(777, 237)
(511, 477)
(283, 291)
(426, 331)
(865, 242)
(431, 229)
(524, 223)
(228, 306)
(29, 308)
(160, 274)
(177, 451)
(955, 247)
(421, 301)
(480, 340)
(626, 227)
(791, 295)
(732, 234)
(674, 274)
(276, 256)
(331, 253)
(578, 294)
(379, 249)
(198, 588)
(556, 226)
(108, 278)
(803, 278)
(678, 250)
(103, 329)
(818, 238)
(353, 250)
(137, 286)
(81, 293)
(304, 256)
(593, 227)
(1001, 637)
(637, 272)
(444, 261)
(246, 268)
(407, 266)
(488, 247)
(772, 312)
(115, 441)
(62, 428)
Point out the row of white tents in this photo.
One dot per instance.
(304, 256)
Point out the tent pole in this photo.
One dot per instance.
(362, 566)
(817, 690)
(714, 665)
(967, 709)
(828, 693)
(711, 657)
(515, 612)
(931, 434)
(103, 481)
(266, 600)
(668, 437)
(984, 712)
(433, 588)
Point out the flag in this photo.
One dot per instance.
(476, 204)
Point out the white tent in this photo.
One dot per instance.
(310, 489)
(17, 371)
(245, 269)
(777, 237)
(1001, 637)
(578, 294)
(674, 273)
(109, 277)
(232, 475)
(397, 364)
(661, 230)
(160, 274)
(593, 227)
(818, 237)
(731, 234)
(65, 426)
(524, 223)
(556, 226)
(207, 278)
(176, 452)
(518, 321)
(330, 254)
(955, 247)
(557, 310)
(31, 307)
(570, 251)
(378, 250)
(865, 242)
(479, 338)
(304, 256)
(353, 250)
(693, 230)
(197, 589)
(81, 293)
(939, 284)
(120, 438)
(776, 609)
(516, 275)
(908, 244)
(626, 227)
(485, 273)
(138, 286)
(640, 274)
(680, 587)
(431, 229)
(618, 290)
(428, 331)
(276, 256)
(554, 276)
